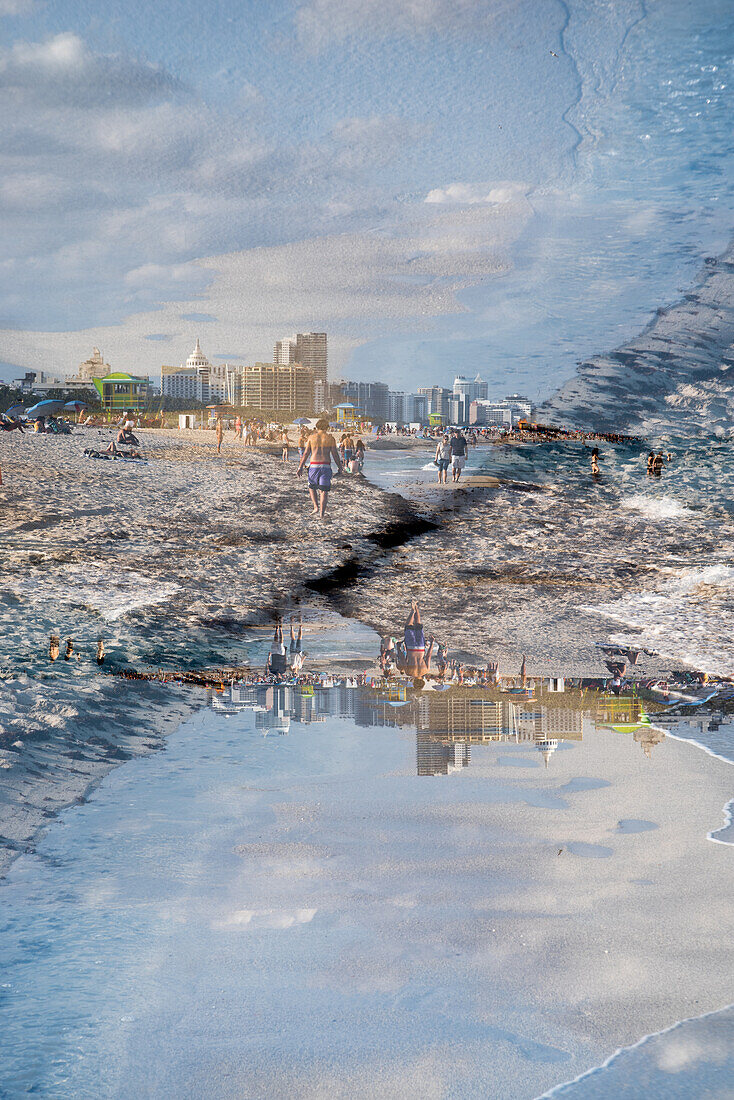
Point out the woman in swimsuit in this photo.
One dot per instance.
(443, 459)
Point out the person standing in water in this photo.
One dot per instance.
(417, 659)
(443, 459)
(320, 450)
(595, 462)
(459, 448)
(650, 463)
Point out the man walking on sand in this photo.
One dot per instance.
(320, 449)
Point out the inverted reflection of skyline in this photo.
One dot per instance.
(447, 724)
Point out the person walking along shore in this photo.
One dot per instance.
(320, 449)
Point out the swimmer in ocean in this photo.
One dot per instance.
(650, 462)
(658, 463)
(595, 462)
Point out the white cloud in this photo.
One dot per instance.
(356, 286)
(16, 7)
(321, 22)
(369, 143)
(63, 71)
(678, 1052)
(111, 166)
(469, 194)
(266, 918)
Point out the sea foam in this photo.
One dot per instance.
(655, 508)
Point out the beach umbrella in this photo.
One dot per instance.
(15, 410)
(76, 406)
(301, 420)
(44, 408)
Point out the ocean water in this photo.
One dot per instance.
(679, 528)
(639, 195)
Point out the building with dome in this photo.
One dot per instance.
(86, 372)
(200, 381)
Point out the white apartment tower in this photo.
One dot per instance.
(200, 380)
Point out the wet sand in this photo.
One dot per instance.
(315, 919)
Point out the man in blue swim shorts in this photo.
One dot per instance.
(320, 449)
(416, 661)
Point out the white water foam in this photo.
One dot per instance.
(110, 591)
(655, 508)
(689, 619)
(568, 1086)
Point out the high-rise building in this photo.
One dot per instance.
(285, 351)
(507, 412)
(311, 351)
(435, 756)
(278, 388)
(201, 381)
(307, 348)
(189, 382)
(438, 398)
(371, 398)
(475, 389)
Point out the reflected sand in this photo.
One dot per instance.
(281, 903)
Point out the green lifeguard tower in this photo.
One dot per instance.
(119, 391)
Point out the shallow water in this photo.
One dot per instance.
(680, 527)
(348, 900)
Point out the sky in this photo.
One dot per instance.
(239, 171)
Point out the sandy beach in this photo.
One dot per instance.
(173, 561)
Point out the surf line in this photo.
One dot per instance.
(729, 806)
(558, 1090)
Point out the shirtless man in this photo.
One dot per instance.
(320, 449)
(417, 659)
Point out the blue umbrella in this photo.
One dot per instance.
(15, 410)
(301, 420)
(44, 408)
(76, 405)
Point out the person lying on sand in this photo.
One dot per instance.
(11, 424)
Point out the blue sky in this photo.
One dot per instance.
(240, 171)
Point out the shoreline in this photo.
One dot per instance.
(216, 546)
